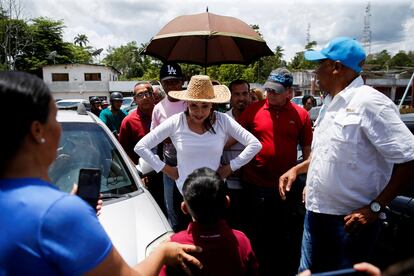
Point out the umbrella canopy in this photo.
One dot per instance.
(207, 39)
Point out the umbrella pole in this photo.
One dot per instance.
(205, 55)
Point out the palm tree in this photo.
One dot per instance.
(81, 40)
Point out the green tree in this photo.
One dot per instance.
(47, 45)
(80, 40)
(14, 35)
(378, 61)
(132, 65)
(80, 54)
(401, 59)
(299, 63)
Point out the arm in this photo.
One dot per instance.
(306, 151)
(287, 179)
(392, 139)
(152, 139)
(166, 253)
(306, 137)
(125, 139)
(401, 174)
(253, 146)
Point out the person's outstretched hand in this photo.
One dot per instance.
(368, 269)
(179, 254)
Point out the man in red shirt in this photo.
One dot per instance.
(137, 124)
(225, 251)
(280, 126)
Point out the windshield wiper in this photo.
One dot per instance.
(112, 195)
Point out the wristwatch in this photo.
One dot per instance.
(375, 207)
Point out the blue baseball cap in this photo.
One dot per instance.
(344, 49)
(279, 80)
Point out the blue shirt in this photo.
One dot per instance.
(112, 121)
(44, 231)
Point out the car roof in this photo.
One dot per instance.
(64, 116)
(407, 117)
(72, 100)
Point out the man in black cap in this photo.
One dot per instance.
(171, 78)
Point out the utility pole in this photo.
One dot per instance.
(366, 38)
(308, 35)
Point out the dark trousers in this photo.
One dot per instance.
(275, 230)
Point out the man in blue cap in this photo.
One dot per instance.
(280, 125)
(362, 153)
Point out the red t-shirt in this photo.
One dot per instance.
(225, 251)
(279, 131)
(134, 126)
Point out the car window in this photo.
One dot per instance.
(297, 100)
(87, 145)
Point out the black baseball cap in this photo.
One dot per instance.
(170, 70)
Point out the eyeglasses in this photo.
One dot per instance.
(280, 90)
(143, 95)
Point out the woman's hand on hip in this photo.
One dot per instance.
(172, 172)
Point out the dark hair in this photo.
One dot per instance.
(239, 81)
(306, 98)
(205, 194)
(208, 122)
(33, 97)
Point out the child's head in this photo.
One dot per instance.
(205, 195)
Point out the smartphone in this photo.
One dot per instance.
(89, 185)
(342, 272)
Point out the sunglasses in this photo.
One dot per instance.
(280, 90)
(143, 95)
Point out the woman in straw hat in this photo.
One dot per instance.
(198, 134)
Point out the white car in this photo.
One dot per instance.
(298, 100)
(72, 104)
(128, 104)
(130, 215)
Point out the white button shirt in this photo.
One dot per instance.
(358, 137)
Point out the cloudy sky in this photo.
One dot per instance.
(284, 23)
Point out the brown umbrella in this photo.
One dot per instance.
(207, 39)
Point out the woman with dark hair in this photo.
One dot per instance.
(308, 101)
(44, 230)
(199, 135)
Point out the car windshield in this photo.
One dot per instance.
(297, 100)
(87, 145)
(66, 104)
(127, 102)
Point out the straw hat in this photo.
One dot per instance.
(200, 89)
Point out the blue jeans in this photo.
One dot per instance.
(169, 184)
(327, 246)
(172, 198)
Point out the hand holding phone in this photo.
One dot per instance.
(340, 272)
(89, 185)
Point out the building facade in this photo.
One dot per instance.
(79, 81)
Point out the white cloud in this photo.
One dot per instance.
(116, 22)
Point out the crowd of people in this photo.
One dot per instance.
(230, 179)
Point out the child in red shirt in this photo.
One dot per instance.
(225, 251)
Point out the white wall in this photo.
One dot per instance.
(77, 87)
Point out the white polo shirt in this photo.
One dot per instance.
(357, 139)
